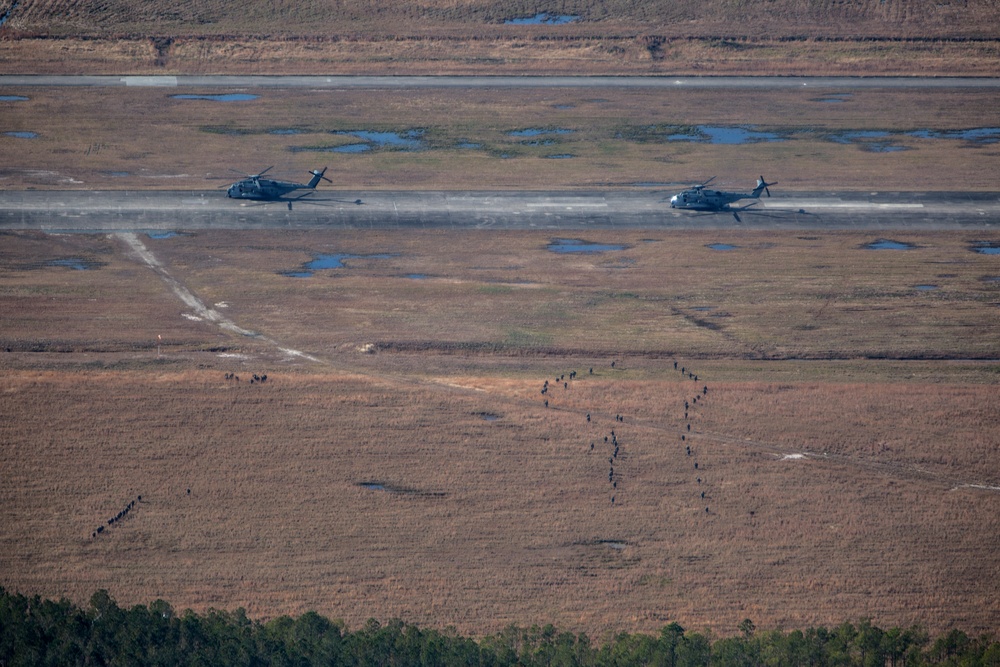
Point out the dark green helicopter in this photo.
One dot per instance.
(266, 189)
(699, 198)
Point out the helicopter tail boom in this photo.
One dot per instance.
(317, 176)
(762, 186)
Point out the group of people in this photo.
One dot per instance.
(614, 446)
(117, 517)
(253, 380)
(688, 406)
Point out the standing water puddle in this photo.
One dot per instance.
(577, 245)
(75, 263)
(23, 134)
(538, 131)
(722, 246)
(887, 244)
(834, 98)
(409, 140)
(321, 262)
(977, 135)
(544, 18)
(736, 135)
(987, 249)
(13, 98)
(228, 97)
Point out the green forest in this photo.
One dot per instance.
(34, 631)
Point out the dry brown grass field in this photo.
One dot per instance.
(635, 53)
(443, 36)
(846, 446)
(144, 138)
(861, 37)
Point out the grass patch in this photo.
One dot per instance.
(608, 151)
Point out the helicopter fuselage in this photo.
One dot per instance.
(262, 189)
(700, 199)
(268, 189)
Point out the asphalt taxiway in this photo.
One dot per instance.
(99, 211)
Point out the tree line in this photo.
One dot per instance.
(36, 631)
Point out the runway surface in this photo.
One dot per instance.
(319, 82)
(98, 211)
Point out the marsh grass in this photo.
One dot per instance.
(508, 520)
(142, 138)
(677, 37)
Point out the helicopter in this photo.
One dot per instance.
(266, 189)
(698, 198)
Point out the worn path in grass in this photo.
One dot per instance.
(842, 487)
(654, 427)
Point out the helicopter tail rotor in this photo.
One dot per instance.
(317, 175)
(761, 183)
(762, 186)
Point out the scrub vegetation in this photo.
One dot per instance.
(48, 632)
(472, 36)
(466, 139)
(845, 442)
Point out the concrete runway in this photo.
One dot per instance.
(100, 211)
(323, 82)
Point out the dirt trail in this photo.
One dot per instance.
(901, 471)
(197, 305)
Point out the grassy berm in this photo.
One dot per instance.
(400, 460)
